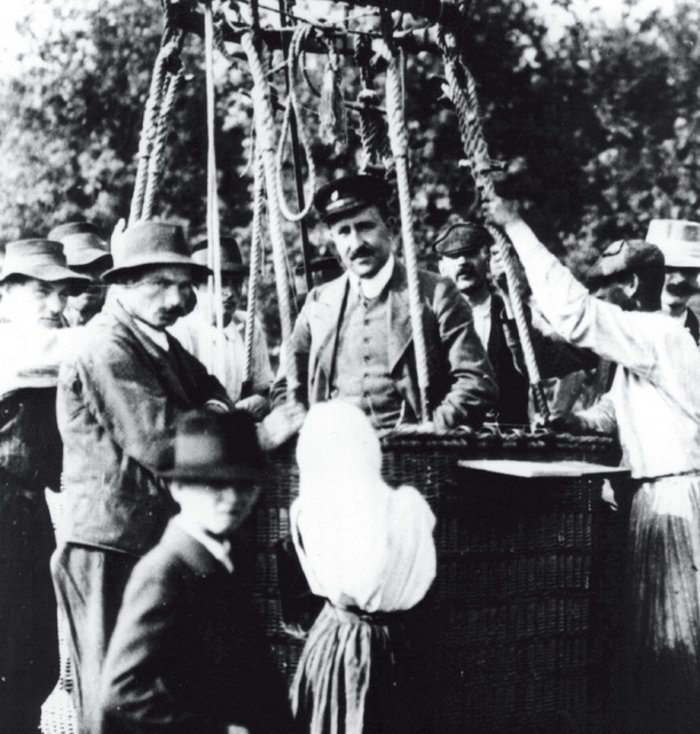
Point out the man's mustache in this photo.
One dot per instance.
(681, 289)
(467, 270)
(362, 251)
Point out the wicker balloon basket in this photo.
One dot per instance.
(520, 617)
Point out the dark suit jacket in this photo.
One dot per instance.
(461, 382)
(555, 358)
(118, 400)
(188, 655)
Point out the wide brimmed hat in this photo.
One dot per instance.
(82, 244)
(461, 238)
(231, 258)
(678, 239)
(150, 243)
(214, 447)
(350, 194)
(43, 260)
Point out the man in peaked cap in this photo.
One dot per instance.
(679, 241)
(36, 284)
(465, 257)
(224, 355)
(188, 654)
(653, 406)
(86, 253)
(353, 338)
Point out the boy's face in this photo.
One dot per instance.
(216, 509)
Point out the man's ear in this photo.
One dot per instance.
(631, 285)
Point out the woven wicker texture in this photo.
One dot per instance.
(514, 610)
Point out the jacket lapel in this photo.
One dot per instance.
(400, 333)
(193, 553)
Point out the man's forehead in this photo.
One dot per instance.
(366, 214)
(173, 273)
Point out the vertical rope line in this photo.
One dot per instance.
(256, 254)
(265, 131)
(214, 251)
(155, 163)
(399, 147)
(462, 92)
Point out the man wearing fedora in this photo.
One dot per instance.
(224, 355)
(653, 406)
(119, 396)
(353, 338)
(679, 241)
(87, 253)
(466, 258)
(188, 653)
(36, 284)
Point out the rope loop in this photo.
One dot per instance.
(292, 107)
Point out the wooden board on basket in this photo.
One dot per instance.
(536, 469)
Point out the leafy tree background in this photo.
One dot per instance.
(598, 129)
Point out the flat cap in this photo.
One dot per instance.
(461, 237)
(625, 256)
(350, 194)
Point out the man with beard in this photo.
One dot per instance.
(86, 253)
(465, 257)
(653, 407)
(118, 399)
(224, 354)
(679, 241)
(353, 338)
(36, 284)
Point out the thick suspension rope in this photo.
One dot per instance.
(256, 255)
(462, 92)
(292, 107)
(213, 236)
(265, 132)
(399, 147)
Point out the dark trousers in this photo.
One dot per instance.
(89, 585)
(28, 634)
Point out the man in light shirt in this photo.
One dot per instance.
(466, 257)
(353, 338)
(653, 406)
(223, 354)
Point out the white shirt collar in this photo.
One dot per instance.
(372, 287)
(221, 550)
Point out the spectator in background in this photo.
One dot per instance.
(679, 241)
(36, 284)
(224, 355)
(86, 253)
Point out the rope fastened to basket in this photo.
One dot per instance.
(265, 132)
(462, 92)
(398, 139)
(256, 253)
(292, 107)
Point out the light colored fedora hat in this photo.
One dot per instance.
(82, 244)
(43, 260)
(678, 239)
(149, 243)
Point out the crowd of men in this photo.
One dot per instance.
(106, 349)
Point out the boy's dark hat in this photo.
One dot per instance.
(461, 238)
(625, 256)
(43, 260)
(350, 194)
(214, 447)
(326, 265)
(231, 258)
(148, 243)
(82, 244)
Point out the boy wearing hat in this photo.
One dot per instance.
(465, 257)
(679, 241)
(224, 356)
(653, 406)
(86, 253)
(36, 283)
(188, 654)
(353, 338)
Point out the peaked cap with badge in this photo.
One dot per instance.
(350, 194)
